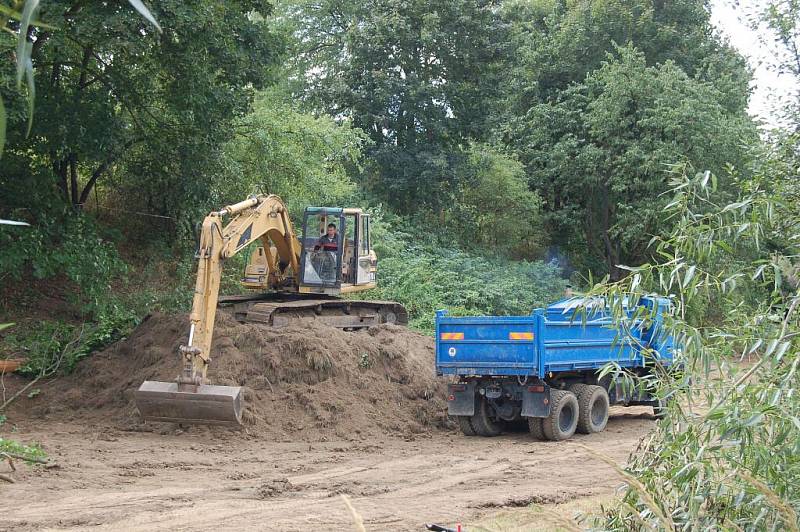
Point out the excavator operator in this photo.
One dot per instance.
(329, 241)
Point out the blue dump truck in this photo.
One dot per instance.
(544, 368)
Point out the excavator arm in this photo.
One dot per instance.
(262, 218)
(189, 398)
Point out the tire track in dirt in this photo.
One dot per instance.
(199, 480)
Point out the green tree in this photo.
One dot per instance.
(417, 77)
(493, 208)
(599, 153)
(555, 43)
(726, 454)
(113, 91)
(280, 150)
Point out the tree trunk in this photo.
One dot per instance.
(60, 170)
(612, 250)
(73, 178)
(103, 168)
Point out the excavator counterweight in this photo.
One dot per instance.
(307, 277)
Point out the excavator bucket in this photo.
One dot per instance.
(204, 404)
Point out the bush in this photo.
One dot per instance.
(56, 347)
(426, 276)
(33, 451)
(726, 454)
(72, 247)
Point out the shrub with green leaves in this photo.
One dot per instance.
(56, 347)
(71, 247)
(426, 276)
(32, 451)
(727, 454)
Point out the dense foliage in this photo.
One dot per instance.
(726, 455)
(427, 276)
(521, 128)
(114, 93)
(616, 134)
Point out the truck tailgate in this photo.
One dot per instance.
(485, 345)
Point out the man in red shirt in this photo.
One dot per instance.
(328, 241)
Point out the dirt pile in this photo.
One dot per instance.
(299, 383)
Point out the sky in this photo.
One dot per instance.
(768, 86)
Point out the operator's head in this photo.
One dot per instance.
(331, 230)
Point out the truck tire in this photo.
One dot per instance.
(482, 421)
(563, 418)
(577, 388)
(465, 425)
(536, 428)
(593, 405)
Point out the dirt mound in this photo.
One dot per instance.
(305, 383)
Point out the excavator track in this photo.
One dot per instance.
(340, 313)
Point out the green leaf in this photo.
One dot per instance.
(2, 126)
(755, 419)
(31, 94)
(16, 15)
(23, 46)
(689, 275)
(139, 6)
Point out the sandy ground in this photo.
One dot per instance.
(197, 480)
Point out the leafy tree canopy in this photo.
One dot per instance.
(600, 153)
(112, 91)
(412, 75)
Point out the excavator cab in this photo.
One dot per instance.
(340, 265)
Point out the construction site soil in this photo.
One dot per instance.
(309, 383)
(328, 413)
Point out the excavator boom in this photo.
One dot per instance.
(189, 399)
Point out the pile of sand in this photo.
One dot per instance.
(299, 382)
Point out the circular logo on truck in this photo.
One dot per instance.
(451, 351)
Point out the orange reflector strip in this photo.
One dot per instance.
(520, 336)
(451, 336)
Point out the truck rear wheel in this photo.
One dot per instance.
(593, 405)
(482, 421)
(465, 425)
(577, 388)
(563, 418)
(536, 428)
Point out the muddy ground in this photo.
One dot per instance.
(328, 413)
(113, 480)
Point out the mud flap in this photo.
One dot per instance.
(536, 401)
(618, 393)
(461, 399)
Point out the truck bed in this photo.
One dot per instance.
(549, 340)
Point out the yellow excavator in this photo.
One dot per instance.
(292, 281)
